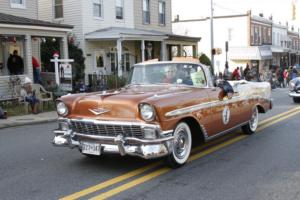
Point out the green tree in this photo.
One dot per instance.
(78, 66)
(204, 60)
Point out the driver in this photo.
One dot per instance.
(170, 74)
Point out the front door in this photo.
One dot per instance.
(100, 62)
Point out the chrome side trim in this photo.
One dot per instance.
(186, 110)
(224, 132)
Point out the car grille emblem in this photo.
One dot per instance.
(99, 111)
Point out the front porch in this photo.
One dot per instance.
(25, 36)
(116, 50)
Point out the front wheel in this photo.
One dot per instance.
(182, 145)
(251, 127)
(296, 99)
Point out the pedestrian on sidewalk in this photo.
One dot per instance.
(236, 74)
(28, 95)
(3, 114)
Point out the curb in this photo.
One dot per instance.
(21, 123)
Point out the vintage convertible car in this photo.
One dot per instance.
(164, 106)
(294, 86)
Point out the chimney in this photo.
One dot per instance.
(271, 18)
(287, 24)
(176, 18)
(292, 28)
(261, 14)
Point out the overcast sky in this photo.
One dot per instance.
(280, 9)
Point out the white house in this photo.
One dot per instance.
(115, 34)
(20, 30)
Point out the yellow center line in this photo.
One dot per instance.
(276, 121)
(164, 170)
(279, 115)
(111, 182)
(141, 170)
(133, 183)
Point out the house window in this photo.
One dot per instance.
(17, 4)
(162, 12)
(119, 9)
(58, 9)
(146, 12)
(97, 8)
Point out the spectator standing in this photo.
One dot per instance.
(15, 64)
(236, 74)
(294, 73)
(285, 77)
(247, 73)
(36, 71)
(280, 78)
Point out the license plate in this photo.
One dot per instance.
(91, 148)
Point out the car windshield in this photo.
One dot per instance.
(168, 73)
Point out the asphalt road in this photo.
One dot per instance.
(262, 166)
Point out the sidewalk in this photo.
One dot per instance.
(28, 119)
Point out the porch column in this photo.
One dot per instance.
(143, 50)
(163, 50)
(64, 47)
(119, 49)
(180, 50)
(195, 51)
(28, 57)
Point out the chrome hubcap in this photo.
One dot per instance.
(181, 143)
(254, 120)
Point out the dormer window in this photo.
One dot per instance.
(58, 9)
(18, 4)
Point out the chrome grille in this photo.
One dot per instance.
(90, 128)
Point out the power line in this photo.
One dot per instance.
(227, 9)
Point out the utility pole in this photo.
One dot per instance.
(212, 35)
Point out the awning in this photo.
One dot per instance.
(250, 53)
(115, 33)
(278, 49)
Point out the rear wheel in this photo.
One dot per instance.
(182, 145)
(296, 99)
(251, 127)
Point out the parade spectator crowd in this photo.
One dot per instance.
(278, 76)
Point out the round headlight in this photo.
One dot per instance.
(62, 109)
(147, 112)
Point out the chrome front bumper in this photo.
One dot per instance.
(294, 94)
(144, 148)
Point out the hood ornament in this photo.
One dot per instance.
(99, 111)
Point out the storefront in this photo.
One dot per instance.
(259, 58)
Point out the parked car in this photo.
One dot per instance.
(294, 87)
(164, 109)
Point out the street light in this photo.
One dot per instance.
(212, 35)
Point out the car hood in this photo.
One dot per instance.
(121, 104)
